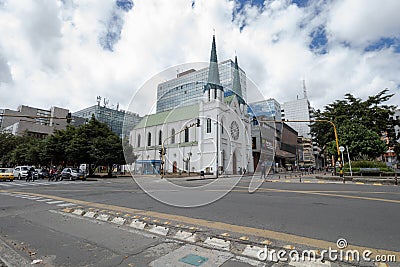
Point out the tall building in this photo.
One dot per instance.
(299, 109)
(221, 143)
(187, 88)
(33, 121)
(120, 122)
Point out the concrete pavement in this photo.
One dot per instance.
(316, 211)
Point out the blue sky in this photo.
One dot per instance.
(70, 51)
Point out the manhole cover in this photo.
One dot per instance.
(194, 260)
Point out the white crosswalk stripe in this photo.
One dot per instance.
(49, 201)
(36, 183)
(55, 202)
(66, 205)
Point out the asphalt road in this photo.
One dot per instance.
(285, 212)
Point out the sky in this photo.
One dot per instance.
(65, 53)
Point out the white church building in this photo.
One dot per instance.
(222, 141)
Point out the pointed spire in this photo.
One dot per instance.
(213, 71)
(213, 57)
(236, 87)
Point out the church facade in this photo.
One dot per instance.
(213, 135)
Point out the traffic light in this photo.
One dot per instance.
(255, 121)
(162, 151)
(198, 123)
(69, 117)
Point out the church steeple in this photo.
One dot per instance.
(213, 81)
(236, 87)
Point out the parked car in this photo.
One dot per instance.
(42, 173)
(21, 172)
(72, 174)
(6, 174)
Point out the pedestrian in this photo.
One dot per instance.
(263, 170)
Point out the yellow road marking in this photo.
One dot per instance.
(326, 194)
(359, 183)
(263, 233)
(377, 184)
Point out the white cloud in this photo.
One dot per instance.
(54, 57)
(363, 21)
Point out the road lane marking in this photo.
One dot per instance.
(325, 194)
(263, 233)
(55, 202)
(66, 205)
(46, 199)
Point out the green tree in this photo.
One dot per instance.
(56, 146)
(360, 125)
(95, 144)
(130, 156)
(8, 143)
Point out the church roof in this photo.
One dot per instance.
(228, 99)
(213, 80)
(177, 114)
(236, 87)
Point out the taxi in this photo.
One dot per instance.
(6, 174)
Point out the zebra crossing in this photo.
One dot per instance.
(23, 183)
(50, 201)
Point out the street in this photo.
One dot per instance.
(93, 223)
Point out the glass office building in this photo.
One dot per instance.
(270, 109)
(299, 109)
(187, 88)
(112, 117)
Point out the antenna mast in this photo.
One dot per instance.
(304, 89)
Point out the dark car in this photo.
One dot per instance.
(42, 173)
(72, 174)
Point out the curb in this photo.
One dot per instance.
(240, 247)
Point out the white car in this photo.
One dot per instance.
(21, 172)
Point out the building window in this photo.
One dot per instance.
(186, 135)
(208, 125)
(160, 138)
(173, 136)
(254, 143)
(215, 93)
(149, 139)
(222, 127)
(138, 140)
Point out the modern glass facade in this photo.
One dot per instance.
(269, 108)
(112, 117)
(188, 87)
(298, 110)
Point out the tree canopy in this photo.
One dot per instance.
(93, 143)
(360, 125)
